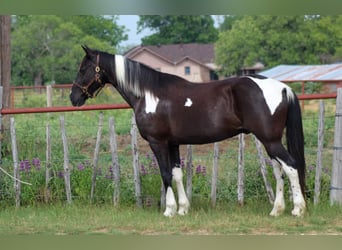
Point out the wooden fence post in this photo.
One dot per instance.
(189, 172)
(336, 176)
(17, 186)
(241, 170)
(134, 143)
(214, 174)
(96, 157)
(66, 161)
(320, 142)
(48, 145)
(48, 95)
(263, 169)
(115, 161)
(1, 134)
(48, 163)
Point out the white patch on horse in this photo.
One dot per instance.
(151, 102)
(120, 69)
(298, 198)
(183, 201)
(171, 205)
(272, 91)
(188, 102)
(279, 203)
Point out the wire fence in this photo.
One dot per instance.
(81, 130)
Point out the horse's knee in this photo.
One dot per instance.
(177, 174)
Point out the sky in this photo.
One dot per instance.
(130, 23)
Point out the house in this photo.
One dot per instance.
(194, 62)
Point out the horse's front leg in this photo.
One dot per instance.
(177, 175)
(183, 201)
(161, 152)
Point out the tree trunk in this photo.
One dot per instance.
(5, 58)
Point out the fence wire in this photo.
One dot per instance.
(81, 130)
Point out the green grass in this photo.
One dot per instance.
(82, 218)
(85, 219)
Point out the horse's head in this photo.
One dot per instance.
(89, 80)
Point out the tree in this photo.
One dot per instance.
(326, 33)
(103, 28)
(172, 29)
(228, 22)
(275, 40)
(47, 48)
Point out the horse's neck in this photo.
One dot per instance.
(130, 98)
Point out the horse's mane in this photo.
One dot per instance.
(135, 77)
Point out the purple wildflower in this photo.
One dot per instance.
(326, 170)
(80, 167)
(182, 162)
(108, 176)
(268, 161)
(24, 165)
(60, 174)
(143, 170)
(36, 163)
(311, 168)
(110, 173)
(201, 170)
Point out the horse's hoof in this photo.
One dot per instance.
(184, 208)
(298, 212)
(276, 211)
(170, 211)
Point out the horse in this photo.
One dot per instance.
(171, 111)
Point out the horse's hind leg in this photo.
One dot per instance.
(279, 203)
(177, 175)
(277, 152)
(298, 198)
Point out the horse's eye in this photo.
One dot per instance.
(82, 69)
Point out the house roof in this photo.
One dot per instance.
(306, 73)
(176, 53)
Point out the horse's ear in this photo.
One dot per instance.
(87, 50)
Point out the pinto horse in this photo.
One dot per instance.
(171, 111)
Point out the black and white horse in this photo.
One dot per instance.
(171, 111)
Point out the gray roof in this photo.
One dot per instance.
(306, 73)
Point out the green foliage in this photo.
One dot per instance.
(275, 40)
(47, 48)
(178, 29)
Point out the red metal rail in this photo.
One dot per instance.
(121, 106)
(317, 96)
(63, 109)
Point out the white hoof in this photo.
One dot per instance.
(170, 211)
(298, 211)
(278, 209)
(183, 208)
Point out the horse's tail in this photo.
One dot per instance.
(295, 138)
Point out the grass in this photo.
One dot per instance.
(252, 219)
(82, 218)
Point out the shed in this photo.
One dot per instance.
(328, 74)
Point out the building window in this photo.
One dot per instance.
(187, 70)
(213, 75)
